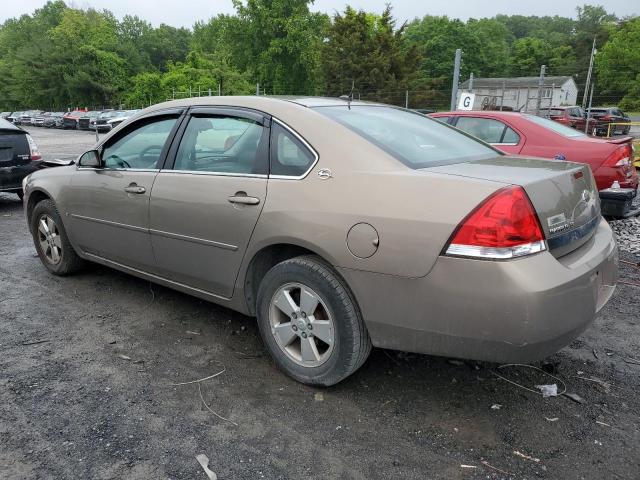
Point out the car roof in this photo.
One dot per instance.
(487, 113)
(5, 125)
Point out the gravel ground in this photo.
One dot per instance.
(87, 365)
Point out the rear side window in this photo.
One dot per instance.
(289, 156)
(222, 144)
(414, 139)
(510, 137)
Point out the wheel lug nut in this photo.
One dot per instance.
(304, 335)
(294, 316)
(295, 328)
(310, 327)
(304, 315)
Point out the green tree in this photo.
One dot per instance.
(618, 65)
(280, 42)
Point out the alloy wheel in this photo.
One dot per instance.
(49, 239)
(302, 325)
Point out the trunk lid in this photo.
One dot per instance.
(564, 194)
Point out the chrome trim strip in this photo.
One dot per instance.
(109, 222)
(105, 169)
(571, 236)
(202, 241)
(151, 275)
(305, 143)
(214, 174)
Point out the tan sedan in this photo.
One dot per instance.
(339, 226)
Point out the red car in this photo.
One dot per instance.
(70, 119)
(573, 117)
(610, 159)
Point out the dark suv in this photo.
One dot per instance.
(606, 115)
(19, 156)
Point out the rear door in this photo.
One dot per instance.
(493, 131)
(206, 202)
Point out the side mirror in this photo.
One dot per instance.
(90, 159)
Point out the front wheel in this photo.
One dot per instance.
(310, 322)
(51, 241)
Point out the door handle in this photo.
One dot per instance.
(133, 188)
(242, 199)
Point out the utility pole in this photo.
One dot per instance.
(543, 69)
(586, 86)
(471, 83)
(586, 126)
(456, 79)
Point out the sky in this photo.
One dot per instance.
(184, 13)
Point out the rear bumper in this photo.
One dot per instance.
(11, 177)
(512, 311)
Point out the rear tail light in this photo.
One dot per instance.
(620, 159)
(33, 149)
(503, 226)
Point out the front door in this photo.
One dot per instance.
(205, 205)
(108, 207)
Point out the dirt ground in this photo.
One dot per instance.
(88, 365)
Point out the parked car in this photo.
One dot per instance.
(101, 124)
(28, 117)
(54, 120)
(19, 156)
(122, 117)
(606, 115)
(4, 115)
(573, 117)
(38, 120)
(14, 118)
(70, 119)
(84, 122)
(523, 134)
(340, 225)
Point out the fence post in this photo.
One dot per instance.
(219, 90)
(504, 86)
(406, 99)
(258, 89)
(543, 69)
(471, 83)
(456, 79)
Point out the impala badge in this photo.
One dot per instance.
(325, 174)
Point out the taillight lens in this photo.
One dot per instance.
(503, 226)
(621, 157)
(33, 149)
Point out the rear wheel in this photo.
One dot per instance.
(310, 322)
(51, 241)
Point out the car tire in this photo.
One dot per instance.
(55, 250)
(344, 344)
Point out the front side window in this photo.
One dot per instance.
(289, 156)
(486, 129)
(223, 144)
(416, 140)
(141, 147)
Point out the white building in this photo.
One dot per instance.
(521, 93)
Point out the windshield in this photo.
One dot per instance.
(414, 139)
(556, 127)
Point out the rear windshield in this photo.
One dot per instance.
(414, 139)
(554, 111)
(556, 127)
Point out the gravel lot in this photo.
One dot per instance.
(87, 365)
